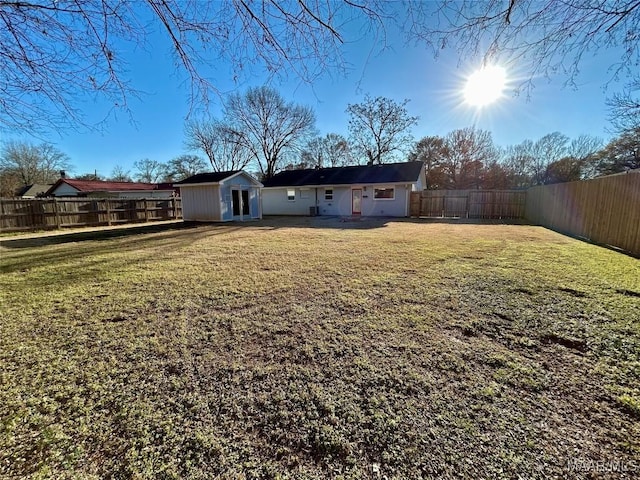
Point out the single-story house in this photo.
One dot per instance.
(34, 191)
(68, 187)
(371, 190)
(220, 197)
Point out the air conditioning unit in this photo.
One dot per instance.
(313, 211)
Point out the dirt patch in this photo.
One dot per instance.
(571, 343)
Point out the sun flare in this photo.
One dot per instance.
(485, 86)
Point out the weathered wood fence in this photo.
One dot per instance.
(508, 204)
(603, 210)
(50, 213)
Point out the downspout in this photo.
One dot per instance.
(406, 203)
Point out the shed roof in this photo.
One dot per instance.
(405, 172)
(210, 177)
(214, 178)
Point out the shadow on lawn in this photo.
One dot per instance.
(32, 252)
(181, 229)
(97, 235)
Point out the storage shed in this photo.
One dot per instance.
(221, 197)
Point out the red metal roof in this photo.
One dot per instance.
(87, 186)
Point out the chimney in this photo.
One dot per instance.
(63, 174)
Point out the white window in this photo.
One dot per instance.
(291, 194)
(304, 193)
(328, 193)
(384, 193)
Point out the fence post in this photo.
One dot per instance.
(146, 211)
(174, 204)
(56, 211)
(108, 208)
(467, 204)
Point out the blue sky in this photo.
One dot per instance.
(434, 88)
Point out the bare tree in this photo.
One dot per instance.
(34, 163)
(119, 174)
(519, 161)
(584, 146)
(624, 108)
(379, 128)
(53, 54)
(219, 142)
(148, 171)
(584, 149)
(184, 166)
(468, 151)
(264, 124)
(433, 152)
(332, 150)
(546, 150)
(10, 183)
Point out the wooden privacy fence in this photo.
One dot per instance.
(468, 203)
(48, 213)
(603, 210)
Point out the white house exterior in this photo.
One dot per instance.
(220, 197)
(378, 190)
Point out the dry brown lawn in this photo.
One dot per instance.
(314, 348)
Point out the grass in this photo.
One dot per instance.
(311, 348)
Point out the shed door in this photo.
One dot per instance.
(245, 202)
(356, 201)
(235, 198)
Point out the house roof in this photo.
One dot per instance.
(406, 172)
(34, 190)
(87, 186)
(210, 177)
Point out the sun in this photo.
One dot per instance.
(485, 86)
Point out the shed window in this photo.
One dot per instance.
(328, 193)
(384, 193)
(291, 194)
(304, 193)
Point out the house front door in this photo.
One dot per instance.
(356, 201)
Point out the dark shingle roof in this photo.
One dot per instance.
(362, 174)
(211, 177)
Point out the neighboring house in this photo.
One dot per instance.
(68, 187)
(220, 197)
(377, 190)
(34, 191)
